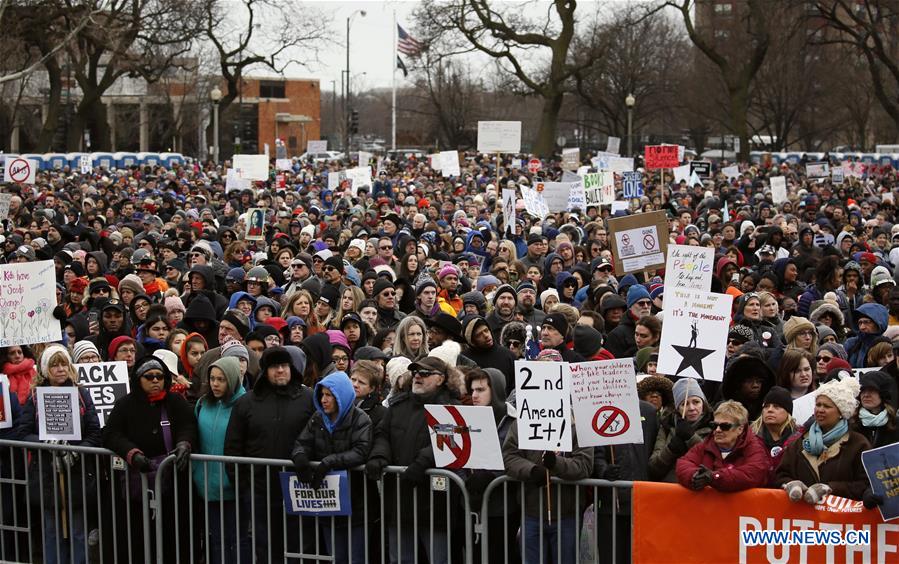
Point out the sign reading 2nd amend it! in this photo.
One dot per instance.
(543, 393)
(661, 156)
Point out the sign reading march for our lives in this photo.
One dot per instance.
(332, 499)
(106, 382)
(464, 436)
(605, 402)
(882, 466)
(27, 299)
(689, 267)
(58, 412)
(543, 396)
(694, 335)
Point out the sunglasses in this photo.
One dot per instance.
(388, 294)
(423, 373)
(387, 248)
(513, 343)
(644, 303)
(823, 358)
(724, 426)
(153, 377)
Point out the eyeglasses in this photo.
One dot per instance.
(273, 340)
(423, 373)
(340, 358)
(724, 426)
(154, 377)
(141, 306)
(127, 350)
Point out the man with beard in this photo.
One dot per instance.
(527, 302)
(504, 302)
(332, 270)
(485, 351)
(554, 334)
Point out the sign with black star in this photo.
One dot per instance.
(694, 334)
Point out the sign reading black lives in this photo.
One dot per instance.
(106, 382)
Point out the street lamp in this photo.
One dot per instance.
(346, 99)
(629, 102)
(216, 96)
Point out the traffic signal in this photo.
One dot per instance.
(354, 122)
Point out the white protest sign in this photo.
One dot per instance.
(334, 179)
(689, 267)
(251, 167)
(5, 404)
(731, 172)
(434, 161)
(639, 248)
(621, 165)
(59, 414)
(838, 175)
(234, 182)
(618, 205)
(449, 163)
(613, 144)
(582, 170)
(694, 335)
(27, 299)
(22, 171)
(84, 163)
(4, 205)
(106, 382)
(255, 225)
(364, 158)
(817, 170)
(509, 210)
(571, 158)
(779, 189)
(681, 173)
(317, 146)
(555, 194)
(576, 196)
(599, 188)
(602, 160)
(605, 402)
(804, 407)
(464, 436)
(266, 150)
(543, 398)
(332, 497)
(360, 178)
(284, 164)
(499, 136)
(534, 203)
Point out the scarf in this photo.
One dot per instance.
(152, 289)
(156, 397)
(817, 441)
(868, 419)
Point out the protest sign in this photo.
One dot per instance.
(631, 185)
(605, 402)
(265, 150)
(449, 163)
(509, 211)
(22, 171)
(534, 203)
(233, 181)
(434, 161)
(106, 382)
(731, 172)
(639, 242)
(317, 146)
(661, 156)
(779, 189)
(603, 160)
(255, 225)
(618, 205)
(882, 466)
(613, 145)
(571, 158)
(620, 165)
(703, 169)
(364, 158)
(464, 436)
(555, 194)
(251, 167)
(694, 335)
(499, 136)
(332, 499)
(577, 199)
(838, 175)
(27, 299)
(84, 163)
(731, 519)
(5, 406)
(4, 205)
(599, 188)
(681, 173)
(817, 170)
(284, 164)
(58, 413)
(804, 407)
(359, 177)
(689, 267)
(543, 396)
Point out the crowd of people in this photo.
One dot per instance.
(322, 342)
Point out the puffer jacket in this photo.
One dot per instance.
(745, 467)
(857, 347)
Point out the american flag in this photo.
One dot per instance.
(406, 44)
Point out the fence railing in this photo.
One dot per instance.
(74, 504)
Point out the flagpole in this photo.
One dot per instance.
(393, 105)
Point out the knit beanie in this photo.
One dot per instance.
(843, 393)
(835, 349)
(686, 388)
(547, 293)
(396, 367)
(643, 356)
(549, 355)
(116, 343)
(879, 381)
(636, 293)
(240, 321)
(794, 325)
(133, 283)
(587, 340)
(48, 354)
(446, 271)
(235, 349)
(781, 397)
(174, 303)
(380, 285)
(81, 348)
(741, 333)
(505, 289)
(424, 283)
(824, 332)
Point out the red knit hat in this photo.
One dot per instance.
(118, 342)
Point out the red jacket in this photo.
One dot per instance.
(745, 467)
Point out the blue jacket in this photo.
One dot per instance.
(342, 390)
(857, 347)
(212, 421)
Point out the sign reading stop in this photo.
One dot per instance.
(534, 166)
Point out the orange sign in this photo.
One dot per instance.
(674, 524)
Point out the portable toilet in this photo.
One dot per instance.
(41, 165)
(74, 160)
(103, 160)
(168, 160)
(125, 159)
(56, 161)
(148, 159)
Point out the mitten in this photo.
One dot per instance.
(684, 430)
(815, 493)
(795, 489)
(549, 459)
(318, 475)
(871, 499)
(374, 468)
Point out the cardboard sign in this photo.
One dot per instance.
(255, 225)
(605, 402)
(4, 205)
(661, 156)
(509, 211)
(689, 267)
(21, 171)
(817, 170)
(613, 145)
(59, 414)
(464, 436)
(571, 158)
(449, 163)
(233, 181)
(882, 466)
(27, 299)
(702, 169)
(251, 167)
(779, 189)
(106, 382)
(534, 203)
(543, 396)
(694, 335)
(332, 499)
(5, 404)
(639, 242)
(631, 185)
(731, 172)
(317, 146)
(499, 136)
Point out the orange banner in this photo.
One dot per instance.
(673, 524)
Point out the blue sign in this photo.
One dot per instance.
(332, 499)
(882, 466)
(632, 185)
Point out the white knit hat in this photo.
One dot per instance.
(48, 354)
(448, 352)
(843, 393)
(83, 347)
(396, 367)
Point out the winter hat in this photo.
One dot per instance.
(686, 388)
(273, 356)
(551, 355)
(781, 397)
(837, 363)
(380, 285)
(658, 384)
(48, 354)
(336, 262)
(880, 275)
(504, 289)
(169, 358)
(836, 349)
(149, 363)
(656, 291)
(636, 293)
(133, 283)
(239, 319)
(447, 270)
(878, 380)
(547, 293)
(330, 295)
(644, 356)
(741, 333)
(81, 348)
(338, 339)
(396, 367)
(558, 322)
(116, 343)
(475, 298)
(424, 283)
(843, 393)
(824, 332)
(369, 353)
(794, 325)
(612, 301)
(526, 285)
(448, 352)
(174, 303)
(587, 340)
(236, 275)
(488, 280)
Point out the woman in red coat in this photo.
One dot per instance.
(731, 459)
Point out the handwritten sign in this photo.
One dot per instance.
(58, 413)
(555, 194)
(27, 299)
(632, 185)
(449, 163)
(499, 136)
(359, 177)
(4, 205)
(689, 267)
(464, 436)
(661, 156)
(613, 145)
(571, 158)
(534, 203)
(605, 402)
(22, 171)
(694, 335)
(779, 189)
(599, 188)
(817, 170)
(316, 145)
(233, 181)
(251, 167)
(106, 382)
(330, 500)
(543, 393)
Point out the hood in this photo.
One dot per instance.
(263, 301)
(497, 393)
(231, 367)
(206, 272)
(318, 349)
(100, 257)
(779, 266)
(297, 357)
(482, 251)
(877, 313)
(547, 262)
(722, 262)
(80, 325)
(342, 389)
(237, 296)
(741, 368)
(200, 308)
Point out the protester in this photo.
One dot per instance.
(686, 426)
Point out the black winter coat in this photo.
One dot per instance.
(133, 423)
(372, 406)
(621, 341)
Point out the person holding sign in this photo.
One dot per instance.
(680, 430)
(66, 480)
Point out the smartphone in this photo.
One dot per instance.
(93, 316)
(735, 277)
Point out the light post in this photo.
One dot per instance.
(629, 102)
(346, 99)
(216, 96)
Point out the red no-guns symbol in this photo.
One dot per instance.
(649, 242)
(626, 239)
(462, 453)
(19, 170)
(610, 421)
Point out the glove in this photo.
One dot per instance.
(683, 430)
(318, 475)
(537, 476)
(871, 499)
(549, 459)
(140, 462)
(612, 473)
(302, 469)
(414, 474)
(182, 455)
(701, 479)
(477, 483)
(374, 468)
(816, 493)
(677, 445)
(795, 489)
